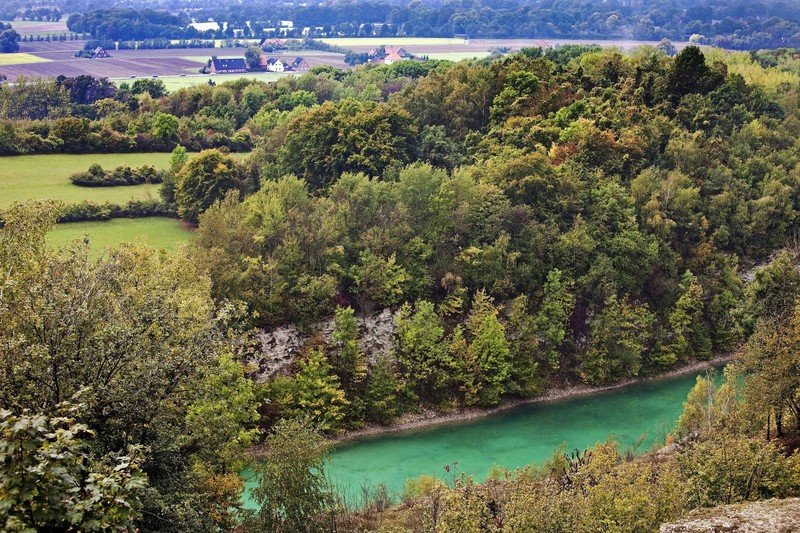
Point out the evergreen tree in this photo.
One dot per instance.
(553, 317)
(525, 348)
(620, 335)
(380, 395)
(423, 361)
(348, 361)
(489, 347)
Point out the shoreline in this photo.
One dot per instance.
(430, 418)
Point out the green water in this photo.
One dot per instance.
(513, 438)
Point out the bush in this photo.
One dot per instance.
(120, 176)
(90, 211)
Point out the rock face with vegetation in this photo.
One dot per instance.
(283, 346)
(771, 516)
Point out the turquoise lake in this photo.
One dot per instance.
(643, 413)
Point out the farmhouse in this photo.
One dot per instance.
(392, 57)
(386, 55)
(272, 43)
(99, 53)
(299, 65)
(275, 65)
(228, 65)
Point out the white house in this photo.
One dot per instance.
(275, 65)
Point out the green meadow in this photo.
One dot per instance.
(20, 58)
(46, 177)
(173, 83)
(160, 233)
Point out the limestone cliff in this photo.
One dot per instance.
(280, 346)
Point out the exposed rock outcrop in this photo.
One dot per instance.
(770, 516)
(281, 346)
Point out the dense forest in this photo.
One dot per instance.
(730, 24)
(548, 217)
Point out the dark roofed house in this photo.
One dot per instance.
(99, 52)
(299, 64)
(228, 65)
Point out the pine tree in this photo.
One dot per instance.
(553, 317)
(489, 347)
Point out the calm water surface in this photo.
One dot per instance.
(514, 438)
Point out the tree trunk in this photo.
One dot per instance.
(769, 420)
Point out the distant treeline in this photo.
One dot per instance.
(129, 24)
(737, 24)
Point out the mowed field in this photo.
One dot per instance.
(43, 177)
(21, 59)
(173, 83)
(46, 177)
(161, 233)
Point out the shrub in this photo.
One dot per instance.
(120, 176)
(89, 211)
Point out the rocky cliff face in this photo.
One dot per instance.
(281, 346)
(770, 516)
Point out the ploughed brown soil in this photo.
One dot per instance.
(146, 63)
(139, 63)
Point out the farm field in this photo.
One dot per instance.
(161, 233)
(28, 26)
(31, 27)
(43, 177)
(456, 56)
(54, 59)
(173, 83)
(347, 42)
(123, 64)
(21, 58)
(456, 49)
